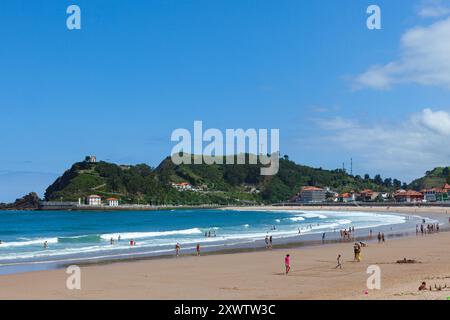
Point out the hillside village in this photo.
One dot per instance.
(93, 183)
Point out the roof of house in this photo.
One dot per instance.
(409, 193)
(94, 196)
(346, 195)
(112, 199)
(312, 189)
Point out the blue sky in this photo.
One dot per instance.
(137, 70)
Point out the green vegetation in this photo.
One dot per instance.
(215, 184)
(435, 178)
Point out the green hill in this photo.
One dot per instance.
(218, 184)
(435, 178)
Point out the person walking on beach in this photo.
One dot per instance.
(270, 242)
(198, 249)
(287, 263)
(323, 237)
(379, 237)
(339, 264)
(267, 242)
(382, 237)
(177, 249)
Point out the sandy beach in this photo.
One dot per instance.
(257, 275)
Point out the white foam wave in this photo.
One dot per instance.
(28, 243)
(297, 219)
(140, 235)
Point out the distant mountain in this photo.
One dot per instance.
(218, 184)
(435, 178)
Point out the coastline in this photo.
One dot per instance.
(242, 273)
(253, 275)
(393, 209)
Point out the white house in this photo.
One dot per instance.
(94, 200)
(113, 202)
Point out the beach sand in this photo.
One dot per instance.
(255, 275)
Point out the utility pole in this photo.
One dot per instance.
(351, 166)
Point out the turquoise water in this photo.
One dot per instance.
(87, 235)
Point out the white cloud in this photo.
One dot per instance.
(424, 60)
(433, 8)
(438, 121)
(402, 150)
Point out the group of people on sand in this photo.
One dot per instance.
(347, 234)
(381, 237)
(269, 242)
(178, 249)
(429, 228)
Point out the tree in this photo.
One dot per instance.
(378, 180)
(397, 184)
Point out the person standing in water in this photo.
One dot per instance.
(287, 263)
(177, 249)
(45, 244)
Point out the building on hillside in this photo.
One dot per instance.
(112, 202)
(94, 200)
(409, 196)
(446, 188)
(90, 159)
(368, 195)
(312, 195)
(429, 195)
(183, 186)
(347, 197)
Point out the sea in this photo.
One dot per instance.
(92, 236)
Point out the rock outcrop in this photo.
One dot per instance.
(28, 202)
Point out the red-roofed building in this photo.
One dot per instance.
(408, 196)
(368, 195)
(347, 197)
(312, 195)
(94, 200)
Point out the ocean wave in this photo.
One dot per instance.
(28, 243)
(297, 219)
(314, 215)
(140, 235)
(80, 239)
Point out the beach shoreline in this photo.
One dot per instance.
(256, 273)
(368, 208)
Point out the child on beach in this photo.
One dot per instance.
(339, 264)
(287, 263)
